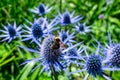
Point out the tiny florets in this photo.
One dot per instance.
(115, 59)
(51, 55)
(37, 31)
(94, 65)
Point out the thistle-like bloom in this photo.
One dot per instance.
(52, 54)
(73, 55)
(10, 32)
(94, 66)
(41, 9)
(112, 53)
(82, 28)
(65, 36)
(39, 29)
(66, 18)
(115, 56)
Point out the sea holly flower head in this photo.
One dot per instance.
(73, 55)
(41, 9)
(38, 30)
(115, 56)
(112, 53)
(94, 65)
(82, 28)
(66, 18)
(66, 37)
(10, 32)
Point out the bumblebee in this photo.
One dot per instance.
(57, 44)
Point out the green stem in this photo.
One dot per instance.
(61, 6)
(71, 76)
(53, 72)
(111, 73)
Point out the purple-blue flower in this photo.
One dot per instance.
(10, 32)
(94, 65)
(39, 29)
(73, 55)
(112, 53)
(66, 18)
(82, 28)
(66, 37)
(41, 9)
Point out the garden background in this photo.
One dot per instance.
(101, 15)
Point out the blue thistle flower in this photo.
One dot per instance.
(66, 18)
(115, 56)
(66, 37)
(39, 29)
(82, 28)
(41, 9)
(112, 53)
(73, 55)
(94, 65)
(10, 32)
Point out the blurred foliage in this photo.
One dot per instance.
(18, 10)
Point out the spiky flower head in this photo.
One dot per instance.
(50, 54)
(112, 53)
(82, 28)
(94, 65)
(41, 9)
(10, 32)
(66, 37)
(66, 18)
(114, 56)
(38, 30)
(73, 55)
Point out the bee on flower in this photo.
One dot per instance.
(51, 55)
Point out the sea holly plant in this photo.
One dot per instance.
(94, 65)
(52, 55)
(62, 54)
